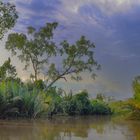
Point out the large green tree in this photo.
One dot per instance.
(38, 49)
(35, 49)
(8, 17)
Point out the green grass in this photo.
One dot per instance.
(120, 109)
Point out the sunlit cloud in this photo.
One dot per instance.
(107, 6)
(22, 2)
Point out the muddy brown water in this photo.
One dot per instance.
(70, 128)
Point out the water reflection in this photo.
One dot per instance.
(70, 128)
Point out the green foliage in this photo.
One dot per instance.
(8, 92)
(53, 99)
(136, 88)
(38, 49)
(79, 58)
(135, 109)
(32, 104)
(134, 103)
(82, 103)
(120, 108)
(7, 71)
(18, 101)
(100, 108)
(8, 17)
(25, 100)
(39, 84)
(78, 104)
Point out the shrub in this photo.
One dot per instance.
(17, 100)
(100, 108)
(39, 84)
(82, 102)
(78, 104)
(25, 100)
(68, 107)
(53, 99)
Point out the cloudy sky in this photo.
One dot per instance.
(114, 27)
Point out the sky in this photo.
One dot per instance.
(114, 27)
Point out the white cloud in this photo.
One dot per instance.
(69, 12)
(24, 1)
(107, 6)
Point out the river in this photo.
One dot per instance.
(70, 128)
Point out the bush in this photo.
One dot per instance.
(53, 99)
(17, 100)
(100, 108)
(39, 84)
(68, 107)
(25, 100)
(82, 103)
(79, 104)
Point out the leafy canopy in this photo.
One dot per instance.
(38, 49)
(35, 49)
(7, 70)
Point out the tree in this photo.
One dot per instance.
(76, 58)
(7, 70)
(38, 49)
(8, 17)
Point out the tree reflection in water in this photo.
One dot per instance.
(70, 128)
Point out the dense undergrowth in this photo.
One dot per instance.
(33, 100)
(19, 100)
(30, 100)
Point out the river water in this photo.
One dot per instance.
(70, 128)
